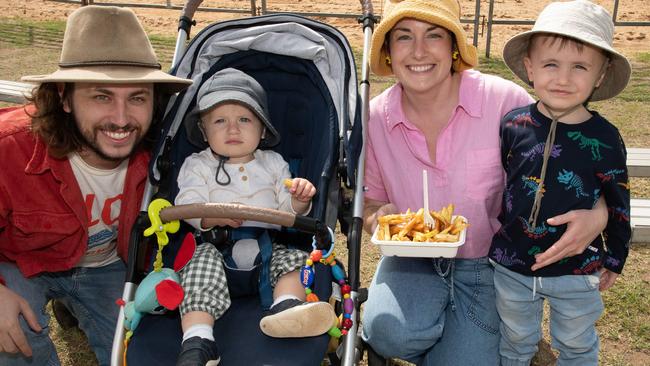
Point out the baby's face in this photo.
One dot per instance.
(564, 73)
(232, 130)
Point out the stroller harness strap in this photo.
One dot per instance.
(265, 244)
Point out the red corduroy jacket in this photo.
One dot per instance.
(43, 219)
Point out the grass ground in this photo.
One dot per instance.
(32, 48)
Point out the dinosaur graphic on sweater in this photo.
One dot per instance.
(591, 143)
(572, 180)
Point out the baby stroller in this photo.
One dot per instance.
(308, 71)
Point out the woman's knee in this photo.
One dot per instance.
(393, 338)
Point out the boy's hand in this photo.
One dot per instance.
(607, 279)
(300, 189)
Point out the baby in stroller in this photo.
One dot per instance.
(232, 115)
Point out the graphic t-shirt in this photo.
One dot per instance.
(102, 191)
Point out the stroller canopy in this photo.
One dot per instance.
(277, 34)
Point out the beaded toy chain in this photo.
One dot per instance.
(307, 275)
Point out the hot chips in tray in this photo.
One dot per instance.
(410, 226)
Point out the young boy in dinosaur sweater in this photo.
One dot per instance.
(559, 150)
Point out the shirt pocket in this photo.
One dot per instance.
(37, 230)
(484, 173)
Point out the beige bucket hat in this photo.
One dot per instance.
(108, 45)
(580, 20)
(444, 13)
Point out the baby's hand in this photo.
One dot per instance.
(607, 279)
(210, 222)
(300, 188)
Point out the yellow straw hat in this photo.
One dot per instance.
(444, 13)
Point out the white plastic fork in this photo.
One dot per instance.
(429, 221)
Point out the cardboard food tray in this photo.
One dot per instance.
(419, 249)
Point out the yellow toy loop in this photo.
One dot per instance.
(159, 228)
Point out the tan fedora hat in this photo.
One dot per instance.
(444, 13)
(580, 20)
(108, 45)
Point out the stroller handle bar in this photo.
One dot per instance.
(185, 23)
(243, 212)
(190, 8)
(366, 7)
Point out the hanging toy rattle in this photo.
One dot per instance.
(307, 275)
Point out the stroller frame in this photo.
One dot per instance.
(349, 171)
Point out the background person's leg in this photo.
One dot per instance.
(35, 292)
(404, 314)
(63, 315)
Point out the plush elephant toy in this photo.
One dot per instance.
(160, 290)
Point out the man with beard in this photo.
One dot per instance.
(74, 167)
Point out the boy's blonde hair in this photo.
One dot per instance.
(564, 41)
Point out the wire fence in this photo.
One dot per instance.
(491, 22)
(251, 7)
(482, 24)
(263, 7)
(24, 35)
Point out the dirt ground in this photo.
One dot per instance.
(163, 21)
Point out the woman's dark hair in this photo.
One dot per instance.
(58, 128)
(454, 48)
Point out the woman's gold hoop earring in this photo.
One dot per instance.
(454, 55)
(388, 60)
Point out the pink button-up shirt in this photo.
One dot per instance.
(467, 171)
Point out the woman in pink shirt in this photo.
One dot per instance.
(441, 116)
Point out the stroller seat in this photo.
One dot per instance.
(156, 341)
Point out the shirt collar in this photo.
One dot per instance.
(41, 161)
(470, 100)
(471, 93)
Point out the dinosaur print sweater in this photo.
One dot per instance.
(587, 160)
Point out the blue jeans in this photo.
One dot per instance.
(89, 293)
(412, 314)
(575, 304)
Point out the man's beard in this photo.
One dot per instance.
(90, 140)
